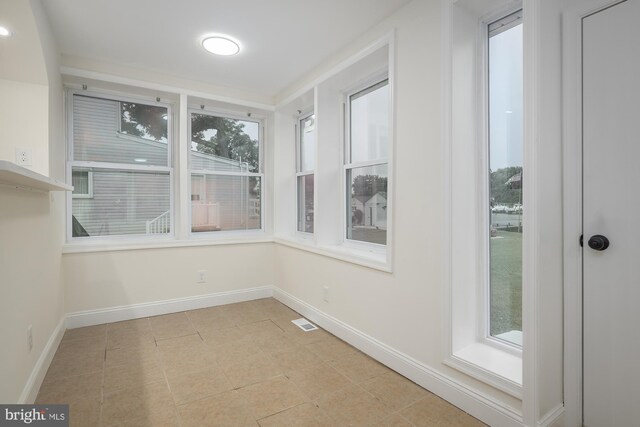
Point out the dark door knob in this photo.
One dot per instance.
(598, 242)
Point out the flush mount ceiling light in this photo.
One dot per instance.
(220, 45)
(4, 32)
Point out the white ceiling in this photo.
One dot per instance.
(281, 40)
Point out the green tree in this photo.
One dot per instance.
(501, 192)
(147, 121)
(365, 186)
(230, 141)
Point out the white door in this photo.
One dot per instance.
(611, 208)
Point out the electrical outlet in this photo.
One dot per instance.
(325, 293)
(23, 157)
(30, 337)
(202, 276)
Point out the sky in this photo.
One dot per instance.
(505, 98)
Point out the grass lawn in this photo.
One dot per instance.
(506, 282)
(371, 235)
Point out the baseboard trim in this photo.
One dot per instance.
(470, 400)
(136, 311)
(31, 388)
(553, 417)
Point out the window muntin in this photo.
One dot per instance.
(124, 178)
(226, 178)
(367, 164)
(305, 179)
(505, 102)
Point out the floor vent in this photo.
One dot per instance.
(304, 324)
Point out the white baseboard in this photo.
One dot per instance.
(31, 388)
(553, 418)
(470, 400)
(136, 311)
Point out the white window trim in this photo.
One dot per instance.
(488, 359)
(227, 234)
(299, 172)
(356, 245)
(70, 163)
(89, 193)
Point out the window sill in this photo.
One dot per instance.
(81, 247)
(499, 368)
(374, 260)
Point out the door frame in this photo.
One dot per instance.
(572, 188)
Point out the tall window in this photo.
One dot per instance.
(120, 167)
(226, 176)
(366, 165)
(505, 177)
(306, 164)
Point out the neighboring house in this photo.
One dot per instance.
(107, 201)
(375, 211)
(370, 211)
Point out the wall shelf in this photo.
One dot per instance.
(19, 177)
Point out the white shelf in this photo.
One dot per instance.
(19, 177)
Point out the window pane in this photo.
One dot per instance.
(370, 123)
(80, 182)
(308, 144)
(124, 202)
(367, 190)
(223, 144)
(505, 176)
(119, 132)
(305, 203)
(222, 202)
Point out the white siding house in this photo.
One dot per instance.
(117, 202)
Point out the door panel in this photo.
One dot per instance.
(611, 203)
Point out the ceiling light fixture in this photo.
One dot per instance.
(220, 45)
(4, 32)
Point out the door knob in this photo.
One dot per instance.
(598, 242)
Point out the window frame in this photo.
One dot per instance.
(70, 93)
(505, 16)
(300, 173)
(370, 84)
(233, 115)
(89, 193)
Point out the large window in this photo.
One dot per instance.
(505, 177)
(366, 163)
(226, 176)
(306, 163)
(120, 167)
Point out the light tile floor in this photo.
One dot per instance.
(241, 364)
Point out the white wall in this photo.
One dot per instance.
(119, 278)
(24, 122)
(550, 250)
(24, 118)
(30, 222)
(406, 309)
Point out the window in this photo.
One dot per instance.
(82, 181)
(305, 177)
(226, 178)
(366, 166)
(120, 167)
(505, 59)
